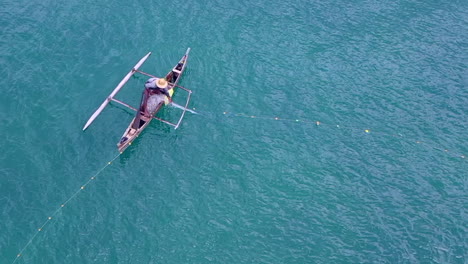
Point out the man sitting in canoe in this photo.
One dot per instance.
(153, 96)
(158, 86)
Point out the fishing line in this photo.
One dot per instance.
(63, 205)
(316, 123)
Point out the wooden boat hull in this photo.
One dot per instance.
(134, 130)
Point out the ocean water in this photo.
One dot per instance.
(328, 132)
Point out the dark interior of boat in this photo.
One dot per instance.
(172, 77)
(142, 122)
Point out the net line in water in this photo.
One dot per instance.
(317, 123)
(41, 228)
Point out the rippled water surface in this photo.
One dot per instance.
(328, 132)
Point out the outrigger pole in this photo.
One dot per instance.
(185, 108)
(116, 90)
(136, 110)
(160, 119)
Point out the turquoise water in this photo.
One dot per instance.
(227, 187)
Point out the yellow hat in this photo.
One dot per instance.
(161, 83)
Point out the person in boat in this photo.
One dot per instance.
(153, 88)
(158, 86)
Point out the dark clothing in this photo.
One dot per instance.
(165, 92)
(153, 89)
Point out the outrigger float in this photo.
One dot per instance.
(149, 105)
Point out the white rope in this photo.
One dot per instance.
(61, 206)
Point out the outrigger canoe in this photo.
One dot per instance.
(154, 102)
